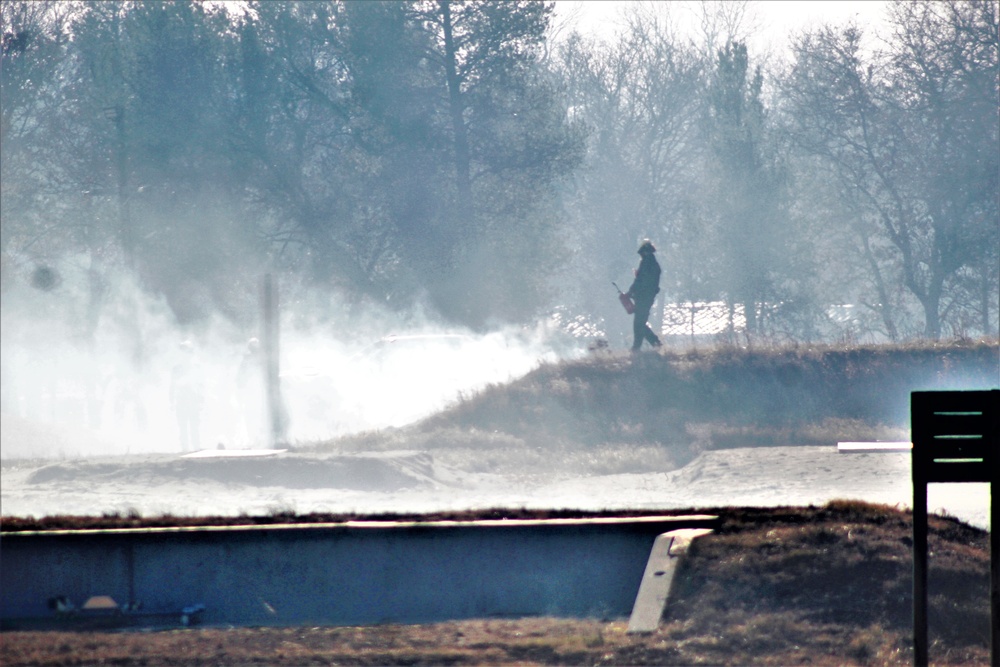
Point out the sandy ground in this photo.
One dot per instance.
(153, 484)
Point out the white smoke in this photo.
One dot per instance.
(344, 369)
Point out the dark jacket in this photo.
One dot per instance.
(646, 285)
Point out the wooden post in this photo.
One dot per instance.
(272, 374)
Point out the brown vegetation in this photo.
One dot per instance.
(683, 403)
(654, 397)
(820, 586)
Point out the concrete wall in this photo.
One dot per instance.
(341, 574)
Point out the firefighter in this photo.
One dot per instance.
(643, 291)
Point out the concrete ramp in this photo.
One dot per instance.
(658, 578)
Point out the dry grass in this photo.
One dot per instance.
(607, 412)
(818, 586)
(780, 395)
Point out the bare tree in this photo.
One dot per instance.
(912, 137)
(725, 22)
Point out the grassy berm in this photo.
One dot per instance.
(825, 585)
(724, 397)
(617, 413)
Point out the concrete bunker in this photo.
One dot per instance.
(351, 573)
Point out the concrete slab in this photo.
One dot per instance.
(872, 447)
(232, 453)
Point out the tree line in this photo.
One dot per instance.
(466, 156)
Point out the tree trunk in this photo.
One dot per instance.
(984, 297)
(463, 179)
(750, 316)
(932, 308)
(884, 307)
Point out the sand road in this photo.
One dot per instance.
(413, 481)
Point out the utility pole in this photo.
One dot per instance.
(126, 236)
(116, 114)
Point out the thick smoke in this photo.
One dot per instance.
(79, 384)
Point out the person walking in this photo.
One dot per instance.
(643, 291)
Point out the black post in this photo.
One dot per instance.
(956, 438)
(116, 115)
(994, 572)
(919, 564)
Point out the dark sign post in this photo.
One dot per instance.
(956, 438)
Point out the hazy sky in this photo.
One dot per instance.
(775, 18)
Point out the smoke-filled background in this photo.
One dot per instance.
(349, 371)
(443, 193)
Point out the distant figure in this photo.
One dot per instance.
(251, 397)
(187, 389)
(643, 291)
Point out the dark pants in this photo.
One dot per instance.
(640, 329)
